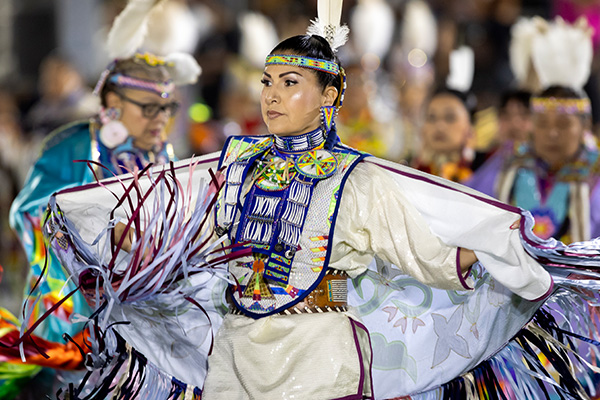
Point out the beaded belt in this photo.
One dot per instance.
(330, 295)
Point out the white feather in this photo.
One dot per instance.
(372, 24)
(562, 55)
(129, 29)
(522, 34)
(171, 28)
(462, 68)
(258, 38)
(327, 24)
(419, 28)
(184, 68)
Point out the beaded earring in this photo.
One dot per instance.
(328, 123)
(113, 132)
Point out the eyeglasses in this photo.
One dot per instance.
(151, 110)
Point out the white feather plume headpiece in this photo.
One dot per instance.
(327, 23)
(562, 54)
(129, 31)
(522, 34)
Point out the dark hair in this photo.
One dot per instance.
(522, 97)
(135, 68)
(468, 99)
(313, 46)
(562, 92)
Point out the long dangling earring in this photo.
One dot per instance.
(328, 122)
(113, 132)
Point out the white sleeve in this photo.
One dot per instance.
(463, 217)
(375, 218)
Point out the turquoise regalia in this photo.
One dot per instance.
(58, 168)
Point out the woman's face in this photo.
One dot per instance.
(291, 99)
(557, 136)
(447, 125)
(146, 131)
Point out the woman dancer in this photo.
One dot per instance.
(304, 213)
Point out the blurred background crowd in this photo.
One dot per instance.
(52, 52)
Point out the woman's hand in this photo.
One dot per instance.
(466, 258)
(119, 232)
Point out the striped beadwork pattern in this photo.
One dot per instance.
(306, 62)
(163, 89)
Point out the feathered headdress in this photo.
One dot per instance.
(327, 23)
(129, 31)
(562, 54)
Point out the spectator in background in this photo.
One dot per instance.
(514, 130)
(64, 97)
(446, 137)
(514, 118)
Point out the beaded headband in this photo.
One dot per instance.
(163, 89)
(301, 61)
(562, 106)
(329, 67)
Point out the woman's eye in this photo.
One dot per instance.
(290, 82)
(265, 82)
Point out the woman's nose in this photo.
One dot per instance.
(271, 95)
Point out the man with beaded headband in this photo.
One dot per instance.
(303, 214)
(555, 174)
(137, 93)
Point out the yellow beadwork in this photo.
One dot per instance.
(560, 105)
